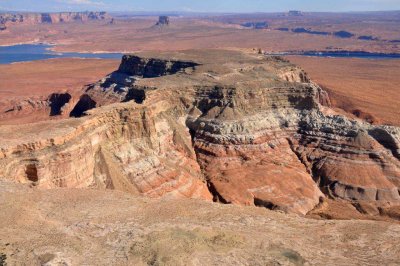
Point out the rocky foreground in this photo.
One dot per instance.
(92, 227)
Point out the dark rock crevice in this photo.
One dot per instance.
(386, 140)
(31, 173)
(265, 204)
(217, 197)
(136, 95)
(312, 169)
(57, 102)
(85, 103)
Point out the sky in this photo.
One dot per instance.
(199, 5)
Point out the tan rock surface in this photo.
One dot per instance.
(75, 227)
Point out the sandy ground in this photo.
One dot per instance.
(35, 81)
(38, 78)
(190, 33)
(369, 86)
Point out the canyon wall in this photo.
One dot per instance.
(234, 127)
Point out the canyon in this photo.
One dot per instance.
(230, 126)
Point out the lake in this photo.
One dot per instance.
(346, 54)
(31, 52)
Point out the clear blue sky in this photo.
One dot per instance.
(200, 5)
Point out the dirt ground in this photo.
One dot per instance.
(366, 88)
(75, 227)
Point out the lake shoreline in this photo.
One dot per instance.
(42, 51)
(339, 54)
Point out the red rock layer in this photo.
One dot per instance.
(241, 128)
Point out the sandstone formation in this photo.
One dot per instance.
(39, 18)
(231, 126)
(163, 21)
(56, 105)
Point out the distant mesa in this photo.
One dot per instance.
(255, 25)
(2, 27)
(295, 13)
(163, 21)
(7, 19)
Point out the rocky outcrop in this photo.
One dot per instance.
(237, 127)
(163, 21)
(40, 18)
(55, 105)
(121, 85)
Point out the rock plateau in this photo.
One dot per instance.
(229, 126)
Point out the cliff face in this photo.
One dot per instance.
(39, 18)
(237, 127)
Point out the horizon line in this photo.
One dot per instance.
(198, 12)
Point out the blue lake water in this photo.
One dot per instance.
(348, 54)
(31, 52)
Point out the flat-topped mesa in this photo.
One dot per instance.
(43, 18)
(121, 85)
(151, 67)
(241, 127)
